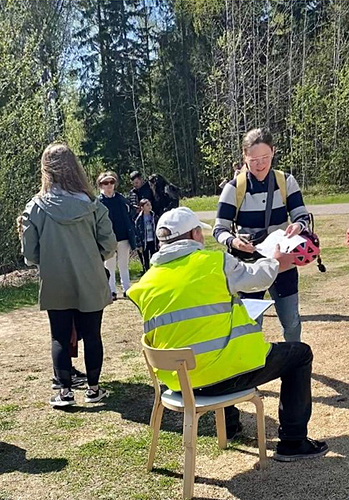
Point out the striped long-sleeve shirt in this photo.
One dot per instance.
(251, 215)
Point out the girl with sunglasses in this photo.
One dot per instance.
(121, 217)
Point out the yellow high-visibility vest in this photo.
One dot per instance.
(186, 303)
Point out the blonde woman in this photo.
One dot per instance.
(68, 234)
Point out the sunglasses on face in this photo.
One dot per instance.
(106, 183)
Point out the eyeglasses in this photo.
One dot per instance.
(106, 183)
(260, 159)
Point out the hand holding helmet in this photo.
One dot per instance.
(307, 251)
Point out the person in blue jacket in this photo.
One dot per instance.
(120, 214)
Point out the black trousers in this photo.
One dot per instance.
(88, 327)
(292, 362)
(147, 253)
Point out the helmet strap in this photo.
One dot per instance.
(321, 267)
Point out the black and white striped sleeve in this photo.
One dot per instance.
(226, 212)
(295, 204)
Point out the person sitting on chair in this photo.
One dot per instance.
(189, 298)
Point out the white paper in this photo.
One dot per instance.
(255, 307)
(267, 247)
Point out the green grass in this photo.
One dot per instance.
(208, 203)
(9, 408)
(135, 268)
(200, 203)
(7, 416)
(12, 297)
(319, 199)
(15, 297)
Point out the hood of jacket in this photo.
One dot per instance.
(66, 208)
(172, 251)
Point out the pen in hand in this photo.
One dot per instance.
(244, 239)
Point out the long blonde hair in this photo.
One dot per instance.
(59, 165)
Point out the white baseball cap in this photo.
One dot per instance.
(179, 221)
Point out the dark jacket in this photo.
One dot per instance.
(140, 230)
(120, 214)
(136, 195)
(166, 197)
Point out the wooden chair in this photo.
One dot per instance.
(182, 360)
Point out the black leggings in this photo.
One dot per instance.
(147, 253)
(88, 327)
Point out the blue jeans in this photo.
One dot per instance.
(286, 304)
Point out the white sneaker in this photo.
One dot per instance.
(63, 399)
(92, 396)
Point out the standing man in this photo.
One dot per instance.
(188, 298)
(141, 190)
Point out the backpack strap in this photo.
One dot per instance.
(241, 185)
(281, 182)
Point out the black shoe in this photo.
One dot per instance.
(63, 399)
(234, 432)
(125, 295)
(114, 296)
(92, 396)
(75, 382)
(78, 373)
(292, 451)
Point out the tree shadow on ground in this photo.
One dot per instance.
(12, 458)
(321, 478)
(340, 400)
(324, 317)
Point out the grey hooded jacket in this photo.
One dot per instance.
(68, 236)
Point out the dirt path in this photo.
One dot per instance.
(331, 209)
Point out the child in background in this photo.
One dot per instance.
(145, 229)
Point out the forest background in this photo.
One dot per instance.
(170, 86)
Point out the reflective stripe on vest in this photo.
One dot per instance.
(189, 313)
(222, 342)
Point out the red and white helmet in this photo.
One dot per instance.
(308, 250)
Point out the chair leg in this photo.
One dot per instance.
(261, 432)
(190, 431)
(157, 403)
(221, 428)
(156, 423)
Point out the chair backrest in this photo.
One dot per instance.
(168, 359)
(179, 360)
